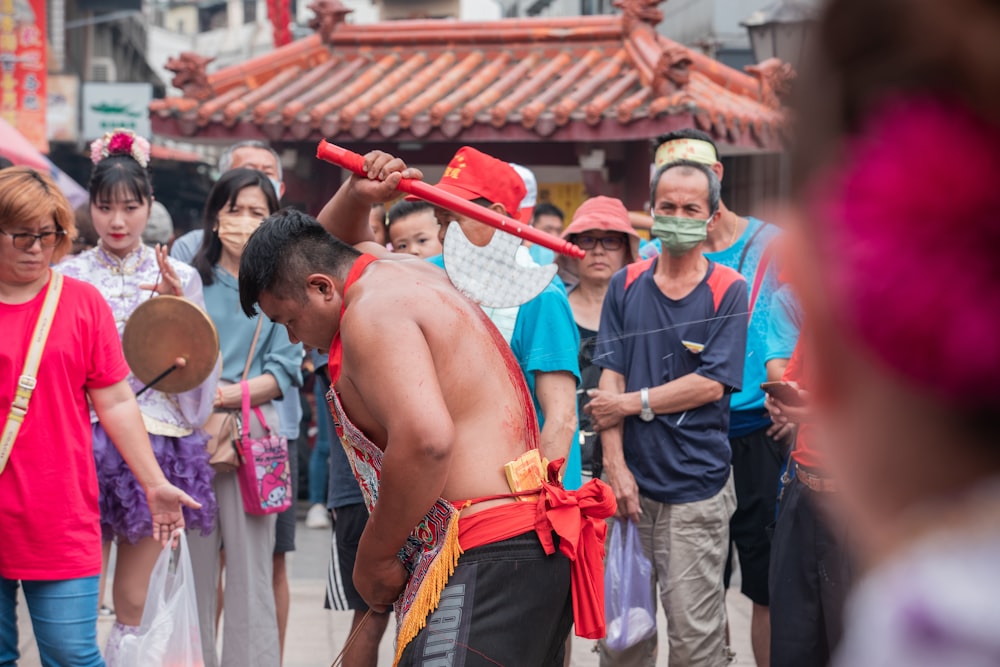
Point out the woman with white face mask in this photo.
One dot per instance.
(236, 206)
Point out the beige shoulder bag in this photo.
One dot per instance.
(26, 382)
(223, 426)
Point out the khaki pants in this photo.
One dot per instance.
(687, 545)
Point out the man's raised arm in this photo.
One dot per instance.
(346, 214)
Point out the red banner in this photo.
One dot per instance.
(23, 68)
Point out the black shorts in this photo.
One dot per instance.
(348, 524)
(757, 461)
(284, 527)
(507, 603)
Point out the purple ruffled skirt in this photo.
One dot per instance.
(124, 511)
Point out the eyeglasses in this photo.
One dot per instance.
(607, 242)
(24, 241)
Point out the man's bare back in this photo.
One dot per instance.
(407, 313)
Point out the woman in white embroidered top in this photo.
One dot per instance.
(126, 273)
(49, 513)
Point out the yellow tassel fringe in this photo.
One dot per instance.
(429, 593)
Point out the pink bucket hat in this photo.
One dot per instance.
(597, 213)
(605, 214)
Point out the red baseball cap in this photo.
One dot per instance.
(472, 174)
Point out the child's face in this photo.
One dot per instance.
(416, 234)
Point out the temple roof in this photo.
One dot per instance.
(591, 78)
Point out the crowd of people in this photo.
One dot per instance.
(776, 394)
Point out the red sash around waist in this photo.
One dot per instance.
(577, 517)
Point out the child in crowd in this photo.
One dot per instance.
(413, 229)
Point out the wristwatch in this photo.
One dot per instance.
(646, 414)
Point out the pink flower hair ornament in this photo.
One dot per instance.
(908, 245)
(121, 142)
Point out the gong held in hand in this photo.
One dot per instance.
(163, 330)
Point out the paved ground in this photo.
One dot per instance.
(315, 635)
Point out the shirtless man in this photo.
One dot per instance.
(431, 404)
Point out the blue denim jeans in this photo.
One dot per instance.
(63, 616)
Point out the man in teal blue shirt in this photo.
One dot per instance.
(542, 333)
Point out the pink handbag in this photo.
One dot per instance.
(264, 473)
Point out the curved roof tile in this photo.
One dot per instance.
(561, 77)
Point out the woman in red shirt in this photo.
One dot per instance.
(49, 515)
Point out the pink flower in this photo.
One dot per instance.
(120, 144)
(910, 245)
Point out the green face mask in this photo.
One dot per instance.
(679, 235)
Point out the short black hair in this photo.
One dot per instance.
(545, 208)
(403, 208)
(288, 246)
(685, 133)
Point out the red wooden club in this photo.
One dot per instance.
(354, 162)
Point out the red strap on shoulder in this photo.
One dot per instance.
(336, 357)
(636, 269)
(720, 280)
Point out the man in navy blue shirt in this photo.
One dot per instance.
(672, 343)
(759, 446)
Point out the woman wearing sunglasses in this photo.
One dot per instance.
(601, 228)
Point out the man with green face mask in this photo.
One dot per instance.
(671, 344)
(759, 446)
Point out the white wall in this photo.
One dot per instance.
(728, 14)
(364, 12)
(555, 8)
(718, 21)
(403, 9)
(480, 10)
(687, 21)
(182, 19)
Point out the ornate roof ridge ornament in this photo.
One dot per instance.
(640, 12)
(776, 79)
(673, 66)
(666, 64)
(329, 15)
(191, 74)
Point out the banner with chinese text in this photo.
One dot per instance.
(23, 68)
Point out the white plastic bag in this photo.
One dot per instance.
(628, 595)
(169, 635)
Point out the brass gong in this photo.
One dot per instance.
(164, 328)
